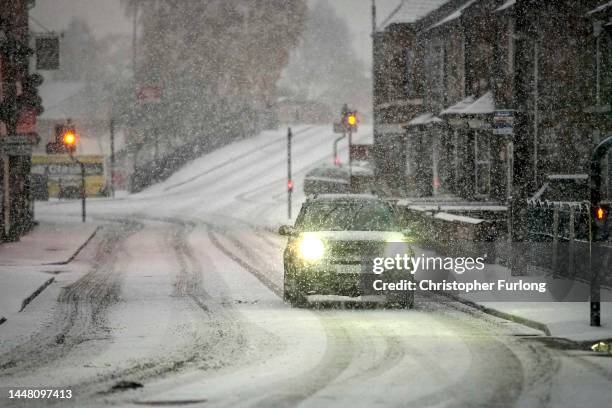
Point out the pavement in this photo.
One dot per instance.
(563, 319)
(29, 266)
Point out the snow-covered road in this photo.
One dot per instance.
(181, 292)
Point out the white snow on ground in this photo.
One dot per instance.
(191, 306)
(564, 319)
(27, 265)
(52, 241)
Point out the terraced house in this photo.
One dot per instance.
(19, 107)
(485, 99)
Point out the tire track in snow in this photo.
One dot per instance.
(80, 312)
(221, 350)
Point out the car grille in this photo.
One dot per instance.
(354, 251)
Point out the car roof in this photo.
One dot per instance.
(343, 197)
(328, 170)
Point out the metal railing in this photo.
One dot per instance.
(560, 241)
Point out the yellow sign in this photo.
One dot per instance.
(62, 173)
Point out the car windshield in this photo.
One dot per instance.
(346, 216)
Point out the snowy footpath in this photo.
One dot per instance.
(29, 266)
(566, 319)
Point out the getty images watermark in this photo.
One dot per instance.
(458, 265)
(540, 277)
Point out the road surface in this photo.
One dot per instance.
(179, 303)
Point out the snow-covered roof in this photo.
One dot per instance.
(410, 11)
(580, 176)
(424, 119)
(484, 104)
(459, 107)
(469, 106)
(599, 8)
(454, 15)
(507, 4)
(457, 218)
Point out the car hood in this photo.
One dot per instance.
(381, 236)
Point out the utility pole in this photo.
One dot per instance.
(374, 28)
(350, 145)
(83, 186)
(112, 156)
(289, 179)
(83, 191)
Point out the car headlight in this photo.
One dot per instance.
(311, 248)
(396, 245)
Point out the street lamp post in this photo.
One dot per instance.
(289, 179)
(336, 158)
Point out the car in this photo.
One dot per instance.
(327, 179)
(332, 246)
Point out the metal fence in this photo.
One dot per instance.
(560, 241)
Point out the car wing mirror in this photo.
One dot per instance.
(287, 230)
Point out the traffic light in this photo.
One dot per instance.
(350, 121)
(66, 140)
(69, 140)
(600, 214)
(601, 230)
(290, 185)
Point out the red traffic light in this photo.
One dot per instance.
(69, 139)
(290, 185)
(600, 213)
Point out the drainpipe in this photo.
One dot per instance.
(536, 119)
(596, 32)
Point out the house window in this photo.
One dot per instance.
(482, 158)
(409, 71)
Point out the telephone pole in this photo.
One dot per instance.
(289, 179)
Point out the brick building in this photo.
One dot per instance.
(479, 98)
(19, 107)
